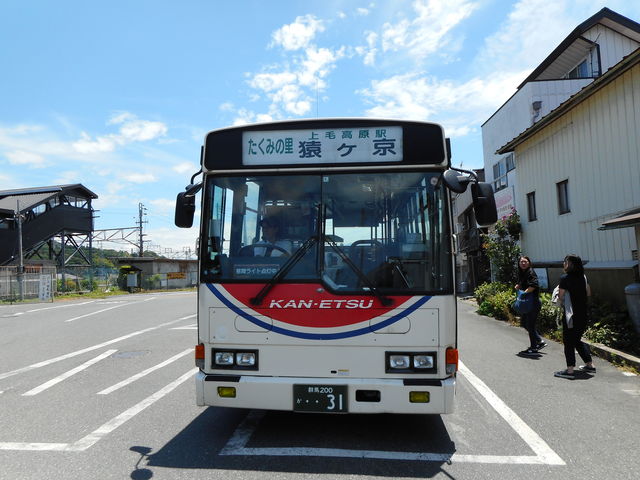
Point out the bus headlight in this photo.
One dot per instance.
(411, 362)
(422, 361)
(399, 361)
(232, 359)
(224, 358)
(245, 359)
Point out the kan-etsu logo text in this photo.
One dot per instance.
(331, 304)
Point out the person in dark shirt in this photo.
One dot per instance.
(528, 281)
(573, 293)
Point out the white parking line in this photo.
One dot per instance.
(237, 443)
(108, 308)
(544, 455)
(138, 376)
(60, 306)
(95, 436)
(65, 375)
(88, 349)
(537, 444)
(47, 308)
(193, 326)
(128, 414)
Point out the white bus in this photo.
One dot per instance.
(326, 266)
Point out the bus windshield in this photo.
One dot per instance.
(359, 231)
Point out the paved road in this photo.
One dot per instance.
(102, 389)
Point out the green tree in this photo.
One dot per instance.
(501, 245)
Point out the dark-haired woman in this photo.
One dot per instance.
(528, 281)
(573, 293)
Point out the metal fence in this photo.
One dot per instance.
(36, 282)
(44, 282)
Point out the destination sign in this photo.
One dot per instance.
(318, 146)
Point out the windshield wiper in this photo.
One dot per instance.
(398, 266)
(386, 301)
(286, 267)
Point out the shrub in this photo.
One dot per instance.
(495, 300)
(549, 316)
(501, 246)
(502, 302)
(486, 290)
(88, 284)
(611, 326)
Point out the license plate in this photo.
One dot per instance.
(320, 398)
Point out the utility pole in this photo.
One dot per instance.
(141, 211)
(18, 218)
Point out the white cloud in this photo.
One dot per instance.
(30, 159)
(68, 177)
(245, 116)
(163, 205)
(459, 105)
(185, 167)
(99, 145)
(268, 82)
(369, 52)
(291, 91)
(131, 130)
(21, 129)
(139, 177)
(531, 31)
(298, 34)
(428, 32)
(317, 65)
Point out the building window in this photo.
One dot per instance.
(582, 70)
(510, 163)
(589, 67)
(531, 206)
(563, 197)
(499, 176)
(500, 170)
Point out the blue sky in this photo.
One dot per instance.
(118, 95)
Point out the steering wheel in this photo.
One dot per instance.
(249, 250)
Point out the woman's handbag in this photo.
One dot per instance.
(524, 302)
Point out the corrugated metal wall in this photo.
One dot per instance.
(596, 147)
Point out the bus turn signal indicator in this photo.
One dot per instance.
(452, 360)
(200, 356)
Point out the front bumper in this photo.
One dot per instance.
(276, 393)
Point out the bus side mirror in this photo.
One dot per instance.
(185, 208)
(456, 182)
(484, 204)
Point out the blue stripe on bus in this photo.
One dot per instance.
(317, 336)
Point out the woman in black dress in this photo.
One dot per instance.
(573, 293)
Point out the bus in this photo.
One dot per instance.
(326, 266)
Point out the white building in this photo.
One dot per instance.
(578, 164)
(590, 50)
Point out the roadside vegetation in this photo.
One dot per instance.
(610, 325)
